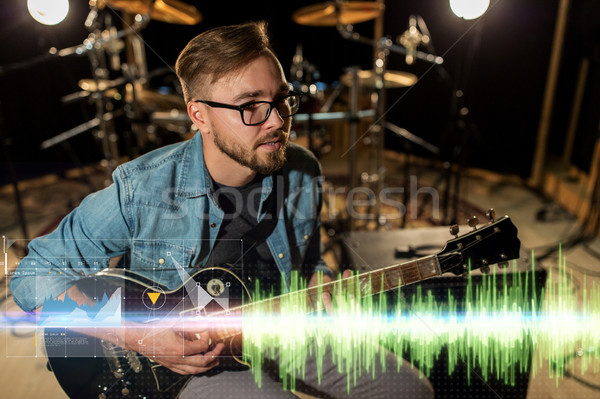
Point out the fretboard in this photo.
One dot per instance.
(365, 284)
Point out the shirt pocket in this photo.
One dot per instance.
(303, 233)
(164, 262)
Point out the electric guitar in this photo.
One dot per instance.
(87, 367)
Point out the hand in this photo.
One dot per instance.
(182, 352)
(326, 296)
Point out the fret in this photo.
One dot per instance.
(410, 273)
(428, 267)
(386, 281)
(392, 276)
(366, 284)
(378, 282)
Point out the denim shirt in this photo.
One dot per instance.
(160, 215)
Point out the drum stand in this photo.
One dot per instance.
(102, 48)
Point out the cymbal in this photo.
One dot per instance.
(153, 100)
(393, 79)
(351, 12)
(99, 85)
(170, 11)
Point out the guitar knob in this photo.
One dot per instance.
(125, 391)
(473, 222)
(485, 269)
(491, 214)
(454, 230)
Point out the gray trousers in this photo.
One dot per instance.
(405, 383)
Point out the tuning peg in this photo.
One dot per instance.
(491, 214)
(454, 230)
(473, 222)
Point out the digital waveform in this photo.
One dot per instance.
(68, 313)
(500, 329)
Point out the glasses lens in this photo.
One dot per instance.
(255, 113)
(288, 105)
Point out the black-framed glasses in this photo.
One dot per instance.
(256, 112)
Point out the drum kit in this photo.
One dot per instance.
(150, 110)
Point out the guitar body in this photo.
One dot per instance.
(88, 377)
(88, 367)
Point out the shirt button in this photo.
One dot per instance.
(213, 225)
(161, 261)
(280, 256)
(306, 236)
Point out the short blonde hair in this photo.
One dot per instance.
(217, 52)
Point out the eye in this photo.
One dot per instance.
(251, 106)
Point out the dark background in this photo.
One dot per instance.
(503, 79)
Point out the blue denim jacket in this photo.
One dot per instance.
(160, 213)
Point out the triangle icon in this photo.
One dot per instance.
(153, 296)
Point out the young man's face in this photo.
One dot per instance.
(262, 147)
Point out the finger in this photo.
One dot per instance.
(327, 303)
(196, 346)
(203, 360)
(216, 351)
(347, 273)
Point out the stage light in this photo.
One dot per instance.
(48, 12)
(469, 9)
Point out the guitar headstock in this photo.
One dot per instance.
(496, 242)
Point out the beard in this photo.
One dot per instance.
(265, 165)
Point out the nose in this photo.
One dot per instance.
(274, 121)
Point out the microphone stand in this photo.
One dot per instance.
(384, 47)
(461, 128)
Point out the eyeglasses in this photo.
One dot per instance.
(256, 112)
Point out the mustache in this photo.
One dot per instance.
(277, 136)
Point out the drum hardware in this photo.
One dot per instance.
(405, 134)
(353, 126)
(84, 127)
(175, 121)
(102, 47)
(174, 115)
(334, 116)
(341, 15)
(305, 76)
(97, 41)
(347, 32)
(392, 79)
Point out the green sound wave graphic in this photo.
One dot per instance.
(500, 328)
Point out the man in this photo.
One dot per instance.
(236, 194)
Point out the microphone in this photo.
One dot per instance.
(93, 15)
(91, 18)
(411, 39)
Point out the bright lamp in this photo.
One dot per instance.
(469, 9)
(48, 12)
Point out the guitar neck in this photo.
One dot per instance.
(364, 284)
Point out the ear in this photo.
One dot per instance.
(197, 113)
